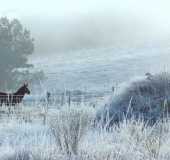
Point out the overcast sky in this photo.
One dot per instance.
(71, 24)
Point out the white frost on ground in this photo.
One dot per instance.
(34, 139)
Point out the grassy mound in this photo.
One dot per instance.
(148, 98)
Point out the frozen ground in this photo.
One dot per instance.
(62, 132)
(69, 133)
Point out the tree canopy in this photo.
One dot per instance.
(16, 44)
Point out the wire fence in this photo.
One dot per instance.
(53, 99)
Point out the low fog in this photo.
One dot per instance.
(78, 24)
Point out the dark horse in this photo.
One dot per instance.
(14, 98)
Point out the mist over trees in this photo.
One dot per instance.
(16, 44)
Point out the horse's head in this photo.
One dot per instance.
(25, 88)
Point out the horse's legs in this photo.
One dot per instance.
(9, 111)
(1, 102)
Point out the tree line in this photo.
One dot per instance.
(16, 44)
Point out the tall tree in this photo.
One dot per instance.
(16, 44)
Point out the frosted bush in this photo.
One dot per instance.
(69, 126)
(147, 98)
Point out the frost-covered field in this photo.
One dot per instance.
(70, 133)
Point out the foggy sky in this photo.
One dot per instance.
(76, 24)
